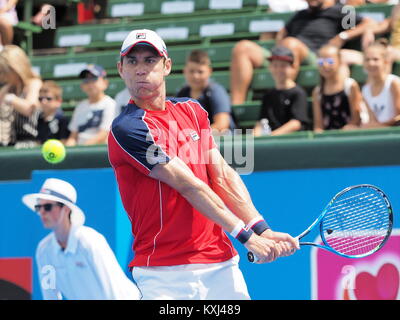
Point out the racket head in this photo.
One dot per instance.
(357, 221)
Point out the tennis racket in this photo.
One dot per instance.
(356, 223)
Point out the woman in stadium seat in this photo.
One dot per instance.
(19, 95)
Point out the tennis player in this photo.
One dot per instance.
(74, 262)
(177, 189)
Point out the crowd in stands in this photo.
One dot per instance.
(31, 113)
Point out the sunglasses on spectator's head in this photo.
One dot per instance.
(322, 61)
(46, 98)
(47, 206)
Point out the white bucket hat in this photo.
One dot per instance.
(144, 36)
(60, 191)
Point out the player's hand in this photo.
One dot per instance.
(266, 250)
(287, 244)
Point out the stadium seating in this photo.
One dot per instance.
(211, 25)
(143, 10)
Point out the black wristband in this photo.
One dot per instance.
(260, 227)
(244, 235)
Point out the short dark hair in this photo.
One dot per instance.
(199, 56)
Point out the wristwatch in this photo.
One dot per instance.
(343, 35)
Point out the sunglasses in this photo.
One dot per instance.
(46, 98)
(322, 61)
(89, 80)
(47, 206)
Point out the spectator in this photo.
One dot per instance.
(337, 100)
(284, 108)
(8, 19)
(281, 6)
(382, 90)
(122, 99)
(18, 98)
(389, 25)
(306, 32)
(211, 95)
(92, 117)
(52, 124)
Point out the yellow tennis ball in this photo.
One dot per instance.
(53, 151)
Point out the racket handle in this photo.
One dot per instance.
(252, 257)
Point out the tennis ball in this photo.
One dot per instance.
(53, 151)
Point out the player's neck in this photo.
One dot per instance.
(154, 104)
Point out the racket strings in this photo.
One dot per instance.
(370, 217)
(356, 224)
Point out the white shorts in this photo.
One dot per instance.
(211, 281)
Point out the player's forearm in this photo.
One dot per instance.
(177, 175)
(228, 185)
(204, 200)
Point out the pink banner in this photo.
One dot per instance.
(375, 277)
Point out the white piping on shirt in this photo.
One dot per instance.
(161, 226)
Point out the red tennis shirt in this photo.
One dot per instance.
(166, 228)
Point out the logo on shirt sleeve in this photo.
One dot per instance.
(194, 136)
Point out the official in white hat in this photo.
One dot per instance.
(74, 261)
(58, 191)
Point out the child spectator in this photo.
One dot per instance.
(211, 95)
(284, 108)
(8, 19)
(382, 90)
(92, 117)
(52, 124)
(337, 100)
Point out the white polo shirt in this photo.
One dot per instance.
(89, 118)
(86, 270)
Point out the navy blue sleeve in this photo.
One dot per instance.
(134, 138)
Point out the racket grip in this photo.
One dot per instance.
(252, 257)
